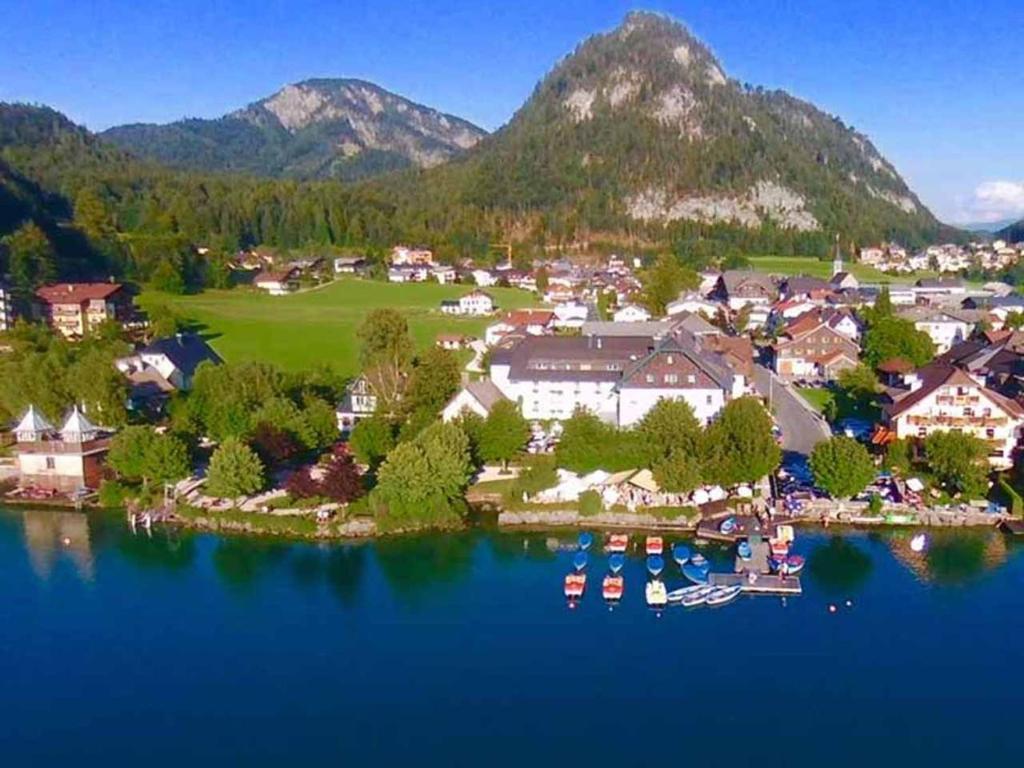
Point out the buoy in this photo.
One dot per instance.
(66, 541)
(849, 603)
(832, 609)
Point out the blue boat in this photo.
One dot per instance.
(586, 538)
(616, 561)
(728, 526)
(698, 559)
(698, 574)
(744, 551)
(680, 553)
(655, 564)
(579, 561)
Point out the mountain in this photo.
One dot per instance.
(641, 130)
(1013, 233)
(323, 128)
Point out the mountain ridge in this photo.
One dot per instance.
(345, 128)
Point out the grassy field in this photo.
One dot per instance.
(817, 398)
(319, 326)
(795, 265)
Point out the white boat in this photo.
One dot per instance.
(723, 595)
(698, 597)
(676, 595)
(656, 593)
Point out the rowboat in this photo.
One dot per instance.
(612, 587)
(723, 595)
(698, 559)
(585, 539)
(654, 545)
(655, 564)
(743, 550)
(680, 553)
(676, 595)
(579, 561)
(618, 542)
(575, 583)
(616, 561)
(656, 593)
(789, 565)
(728, 526)
(698, 597)
(698, 574)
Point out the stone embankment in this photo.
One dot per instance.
(567, 518)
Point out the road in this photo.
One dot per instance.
(802, 427)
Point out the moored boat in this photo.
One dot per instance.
(723, 595)
(698, 559)
(585, 539)
(654, 545)
(743, 550)
(579, 561)
(656, 594)
(655, 564)
(728, 526)
(698, 574)
(680, 553)
(677, 595)
(616, 561)
(612, 587)
(618, 542)
(697, 597)
(575, 583)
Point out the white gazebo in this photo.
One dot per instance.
(77, 428)
(33, 427)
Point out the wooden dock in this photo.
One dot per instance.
(765, 584)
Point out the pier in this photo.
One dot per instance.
(764, 584)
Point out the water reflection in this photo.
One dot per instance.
(49, 535)
(951, 558)
(839, 567)
(416, 565)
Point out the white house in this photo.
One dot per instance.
(67, 460)
(402, 255)
(941, 398)
(409, 273)
(476, 397)
(473, 303)
(358, 403)
(443, 273)
(279, 282)
(631, 313)
(694, 304)
(570, 314)
(944, 327)
(174, 358)
(484, 278)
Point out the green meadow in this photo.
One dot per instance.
(796, 265)
(319, 326)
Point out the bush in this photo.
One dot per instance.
(591, 504)
(536, 478)
(1013, 500)
(113, 495)
(875, 504)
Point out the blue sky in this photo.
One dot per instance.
(936, 84)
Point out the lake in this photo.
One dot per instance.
(460, 650)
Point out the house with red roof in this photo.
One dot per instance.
(812, 346)
(73, 309)
(941, 398)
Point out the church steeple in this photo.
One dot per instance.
(837, 262)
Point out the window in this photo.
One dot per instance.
(968, 411)
(649, 378)
(990, 433)
(671, 360)
(51, 463)
(691, 379)
(671, 378)
(707, 400)
(922, 432)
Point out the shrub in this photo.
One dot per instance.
(591, 504)
(113, 495)
(875, 504)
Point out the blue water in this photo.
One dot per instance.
(460, 650)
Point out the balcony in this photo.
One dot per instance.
(969, 422)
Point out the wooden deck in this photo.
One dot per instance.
(766, 584)
(746, 526)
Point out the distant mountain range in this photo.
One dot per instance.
(325, 128)
(1014, 233)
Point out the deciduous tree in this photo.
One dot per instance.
(842, 467)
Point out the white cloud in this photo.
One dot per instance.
(993, 201)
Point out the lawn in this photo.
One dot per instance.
(795, 265)
(319, 326)
(817, 398)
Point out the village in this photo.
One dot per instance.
(846, 384)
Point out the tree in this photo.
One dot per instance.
(32, 260)
(433, 382)
(677, 471)
(588, 443)
(542, 280)
(740, 444)
(959, 461)
(99, 386)
(235, 470)
(890, 337)
(385, 353)
(669, 427)
(422, 481)
(503, 433)
(371, 440)
(1014, 320)
(664, 281)
(897, 456)
(341, 481)
(842, 467)
(274, 445)
(167, 277)
(138, 453)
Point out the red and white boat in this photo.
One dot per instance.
(575, 583)
(655, 545)
(618, 542)
(613, 587)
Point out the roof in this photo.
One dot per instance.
(643, 328)
(33, 421)
(148, 383)
(895, 365)
(940, 282)
(185, 350)
(520, 317)
(695, 323)
(736, 279)
(275, 276)
(77, 427)
(800, 284)
(485, 392)
(924, 314)
(571, 358)
(76, 293)
(938, 375)
(686, 344)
